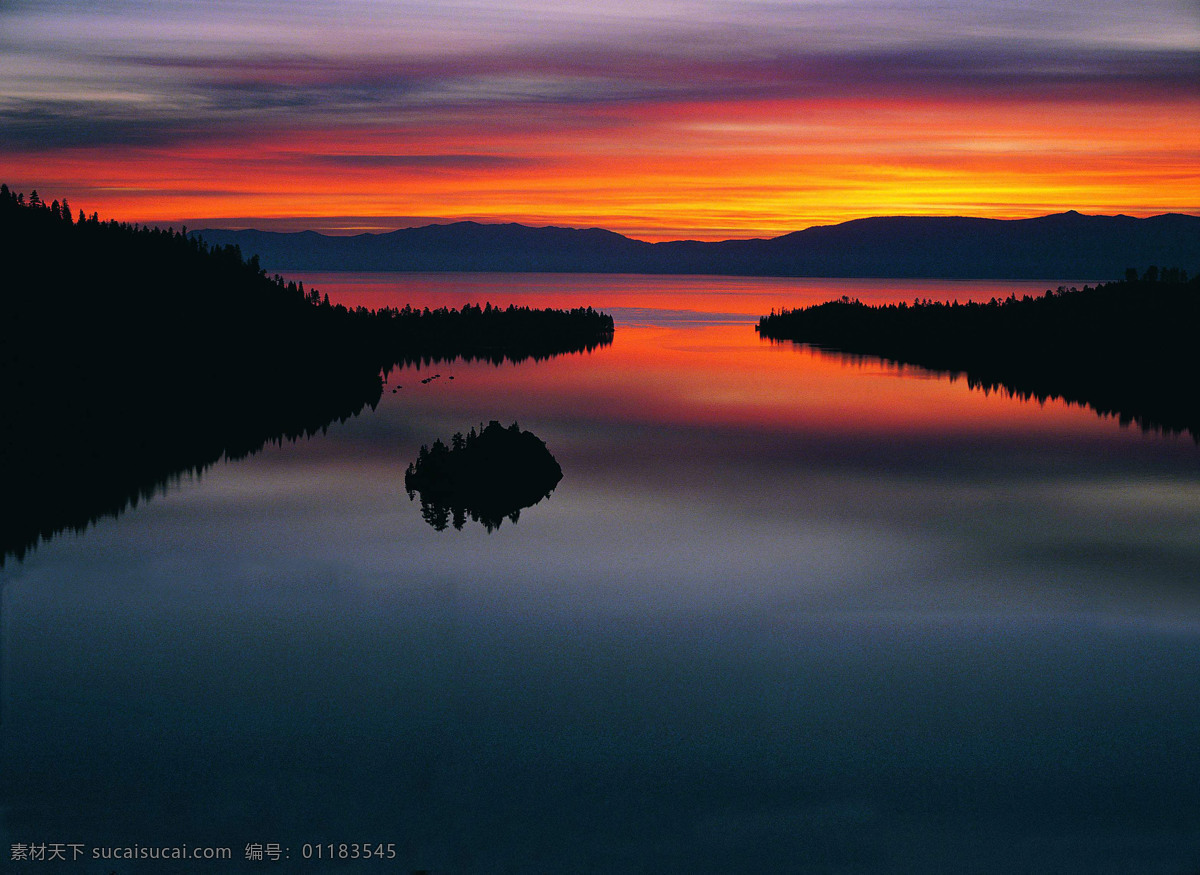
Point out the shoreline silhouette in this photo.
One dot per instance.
(1124, 349)
(132, 357)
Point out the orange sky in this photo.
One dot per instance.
(725, 124)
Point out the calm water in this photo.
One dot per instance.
(786, 612)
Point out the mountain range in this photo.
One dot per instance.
(1064, 245)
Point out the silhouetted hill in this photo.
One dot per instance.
(1125, 349)
(462, 246)
(1063, 245)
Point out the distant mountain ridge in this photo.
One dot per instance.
(1061, 245)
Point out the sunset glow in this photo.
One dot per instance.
(685, 354)
(660, 120)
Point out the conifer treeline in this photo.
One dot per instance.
(131, 354)
(113, 261)
(1124, 348)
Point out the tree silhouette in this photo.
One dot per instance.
(1123, 348)
(487, 476)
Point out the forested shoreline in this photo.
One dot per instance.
(1124, 348)
(131, 356)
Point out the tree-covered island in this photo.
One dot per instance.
(490, 475)
(1124, 348)
(131, 356)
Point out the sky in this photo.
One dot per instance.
(660, 119)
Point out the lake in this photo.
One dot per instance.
(786, 611)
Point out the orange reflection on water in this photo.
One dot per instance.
(725, 376)
(686, 353)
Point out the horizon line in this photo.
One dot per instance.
(373, 225)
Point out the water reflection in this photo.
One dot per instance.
(1159, 402)
(74, 459)
(81, 459)
(1123, 348)
(785, 613)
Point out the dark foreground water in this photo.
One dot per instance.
(785, 612)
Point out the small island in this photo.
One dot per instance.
(489, 476)
(1124, 348)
